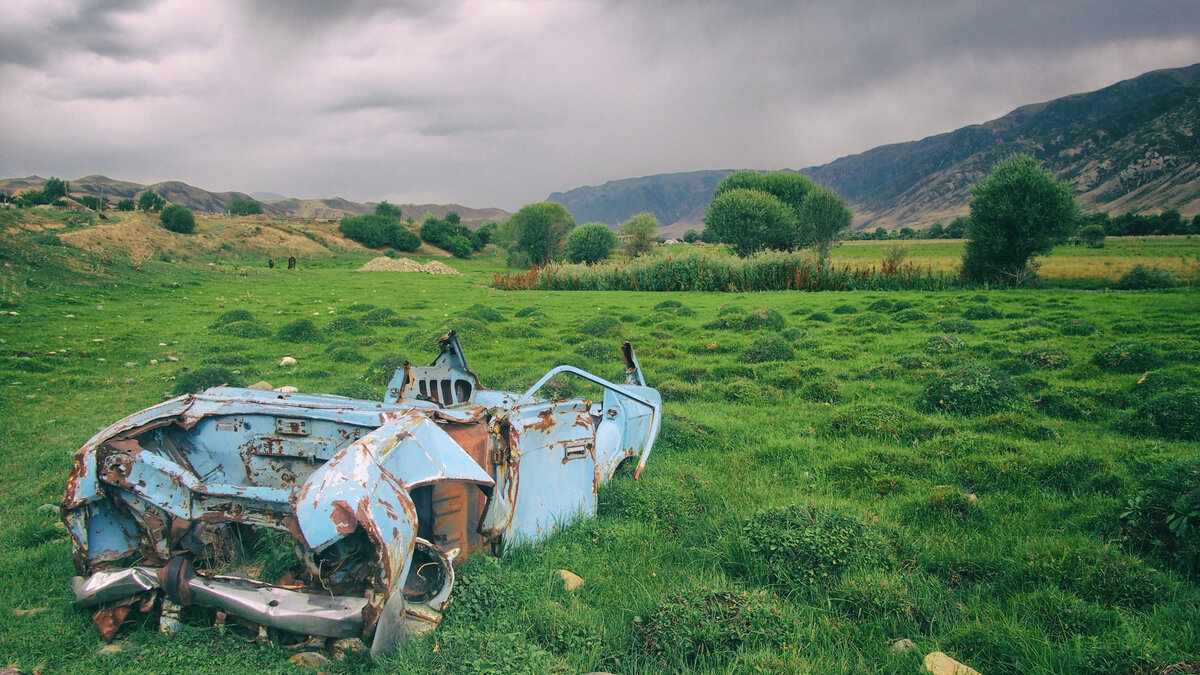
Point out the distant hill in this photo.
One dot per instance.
(203, 201)
(1133, 146)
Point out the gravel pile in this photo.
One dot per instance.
(385, 264)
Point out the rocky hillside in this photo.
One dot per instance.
(1133, 146)
(203, 201)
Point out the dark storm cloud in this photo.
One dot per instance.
(501, 102)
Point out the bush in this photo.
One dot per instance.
(374, 231)
(300, 330)
(880, 305)
(971, 389)
(403, 239)
(177, 218)
(1127, 357)
(845, 309)
(763, 318)
(1163, 516)
(768, 349)
(909, 315)
(233, 316)
(820, 316)
(48, 239)
(804, 548)
(981, 312)
(704, 625)
(1142, 277)
(346, 355)
(590, 243)
(192, 381)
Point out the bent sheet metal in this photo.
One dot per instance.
(379, 501)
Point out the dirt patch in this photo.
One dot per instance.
(385, 264)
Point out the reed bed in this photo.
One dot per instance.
(691, 272)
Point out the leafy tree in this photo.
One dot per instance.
(460, 246)
(93, 202)
(790, 188)
(590, 243)
(880, 233)
(536, 234)
(387, 210)
(150, 201)
(907, 233)
(403, 239)
(957, 229)
(640, 232)
(1170, 222)
(1017, 212)
(437, 232)
(935, 230)
(823, 216)
(54, 188)
(372, 231)
(751, 220)
(177, 218)
(453, 218)
(1195, 227)
(244, 207)
(690, 236)
(125, 205)
(1092, 235)
(484, 235)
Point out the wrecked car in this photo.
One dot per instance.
(378, 500)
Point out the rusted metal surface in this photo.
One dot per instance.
(379, 500)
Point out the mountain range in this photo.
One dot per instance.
(203, 201)
(1132, 146)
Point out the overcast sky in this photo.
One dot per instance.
(500, 103)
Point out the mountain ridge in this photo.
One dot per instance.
(1131, 146)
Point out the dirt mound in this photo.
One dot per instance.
(385, 264)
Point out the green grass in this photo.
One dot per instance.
(994, 524)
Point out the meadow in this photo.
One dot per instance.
(1011, 477)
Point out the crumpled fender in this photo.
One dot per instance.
(367, 484)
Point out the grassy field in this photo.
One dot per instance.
(837, 471)
(1179, 255)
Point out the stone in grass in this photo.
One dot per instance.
(901, 646)
(571, 581)
(287, 361)
(49, 508)
(261, 385)
(940, 664)
(311, 660)
(286, 390)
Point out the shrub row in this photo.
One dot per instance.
(766, 272)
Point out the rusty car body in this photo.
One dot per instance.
(379, 500)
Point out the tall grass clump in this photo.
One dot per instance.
(701, 627)
(692, 272)
(803, 548)
(1163, 517)
(300, 330)
(1127, 357)
(1144, 277)
(192, 381)
(971, 389)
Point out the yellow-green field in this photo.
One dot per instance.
(1179, 255)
